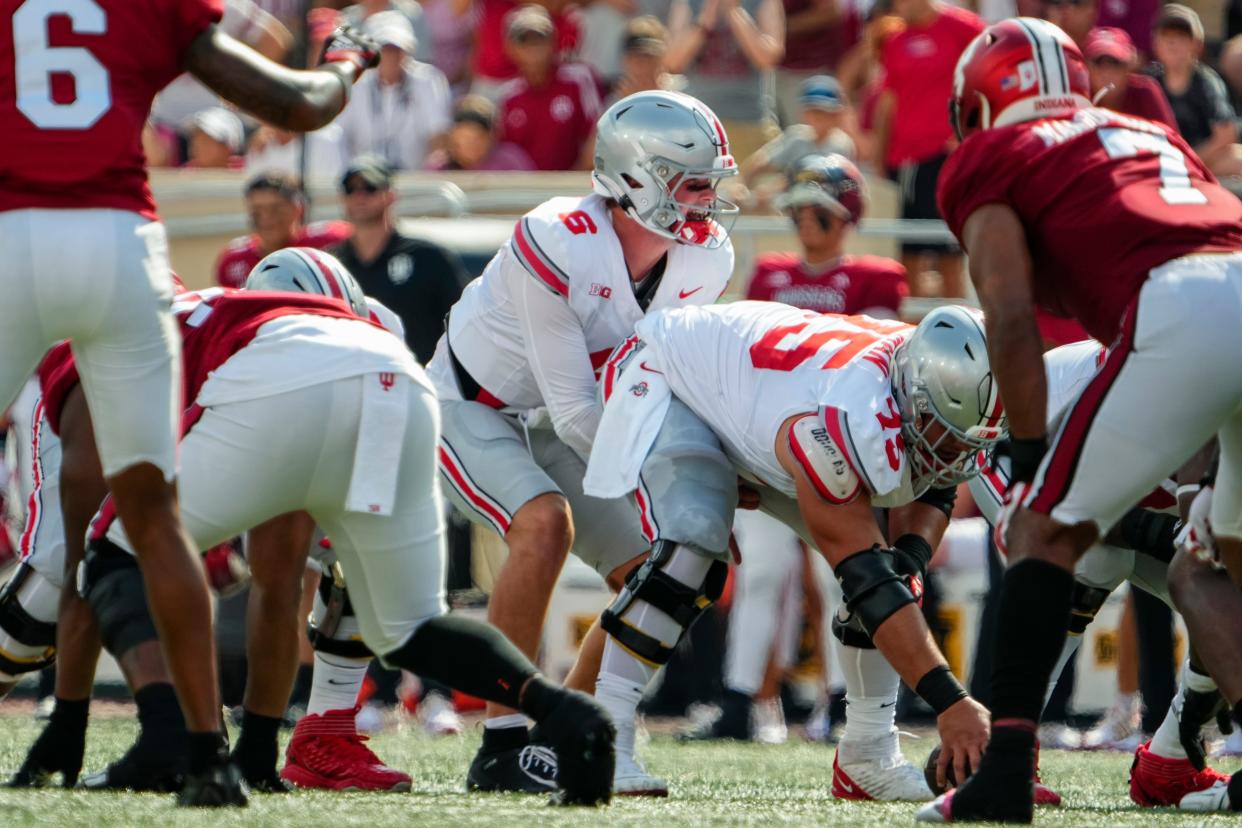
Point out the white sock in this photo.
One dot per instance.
(1067, 652)
(507, 720)
(336, 683)
(870, 694)
(620, 697)
(1166, 742)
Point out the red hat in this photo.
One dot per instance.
(1107, 41)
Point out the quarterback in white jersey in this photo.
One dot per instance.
(1139, 549)
(823, 417)
(516, 373)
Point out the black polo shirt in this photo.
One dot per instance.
(419, 280)
(1201, 106)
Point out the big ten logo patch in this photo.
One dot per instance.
(579, 626)
(1107, 648)
(602, 291)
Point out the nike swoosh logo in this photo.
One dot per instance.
(647, 367)
(845, 787)
(334, 681)
(890, 704)
(683, 294)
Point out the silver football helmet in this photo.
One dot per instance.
(950, 405)
(307, 270)
(646, 146)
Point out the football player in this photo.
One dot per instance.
(517, 367)
(824, 418)
(1115, 222)
(274, 373)
(1173, 763)
(826, 198)
(78, 79)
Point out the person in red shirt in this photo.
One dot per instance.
(275, 204)
(912, 134)
(493, 65)
(1111, 59)
(88, 261)
(1114, 221)
(550, 109)
(826, 201)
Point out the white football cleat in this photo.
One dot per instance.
(439, 716)
(1215, 798)
(632, 779)
(877, 770)
(1119, 728)
(936, 810)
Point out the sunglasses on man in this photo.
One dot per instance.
(355, 187)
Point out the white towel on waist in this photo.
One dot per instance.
(377, 455)
(632, 419)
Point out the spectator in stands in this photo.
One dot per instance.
(215, 139)
(275, 205)
(1205, 117)
(278, 149)
(1075, 17)
(601, 25)
(493, 65)
(825, 202)
(417, 279)
(825, 118)
(400, 110)
(451, 24)
(185, 97)
(818, 34)
(471, 143)
(723, 47)
(1111, 59)
(551, 108)
(360, 14)
(644, 45)
(912, 133)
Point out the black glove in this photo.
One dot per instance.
(349, 44)
(59, 748)
(1197, 710)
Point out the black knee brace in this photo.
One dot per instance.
(648, 582)
(872, 587)
(336, 599)
(111, 583)
(1150, 533)
(1084, 604)
(21, 627)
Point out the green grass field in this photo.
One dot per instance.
(712, 785)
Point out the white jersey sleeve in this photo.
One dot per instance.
(861, 417)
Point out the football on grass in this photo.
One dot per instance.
(929, 773)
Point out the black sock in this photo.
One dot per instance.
(206, 751)
(71, 712)
(469, 656)
(504, 738)
(302, 686)
(256, 748)
(1030, 631)
(735, 710)
(160, 717)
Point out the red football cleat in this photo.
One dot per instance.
(328, 752)
(1043, 794)
(1157, 781)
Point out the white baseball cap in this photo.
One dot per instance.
(222, 125)
(391, 28)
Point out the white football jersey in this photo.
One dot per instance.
(746, 367)
(1068, 369)
(525, 353)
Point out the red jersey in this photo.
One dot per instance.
(240, 256)
(553, 122)
(851, 285)
(1103, 198)
(918, 69)
(1145, 99)
(88, 71)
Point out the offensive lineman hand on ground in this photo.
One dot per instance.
(59, 749)
(964, 731)
(350, 44)
(1196, 536)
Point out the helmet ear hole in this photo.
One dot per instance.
(631, 182)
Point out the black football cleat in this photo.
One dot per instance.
(527, 769)
(219, 787)
(146, 766)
